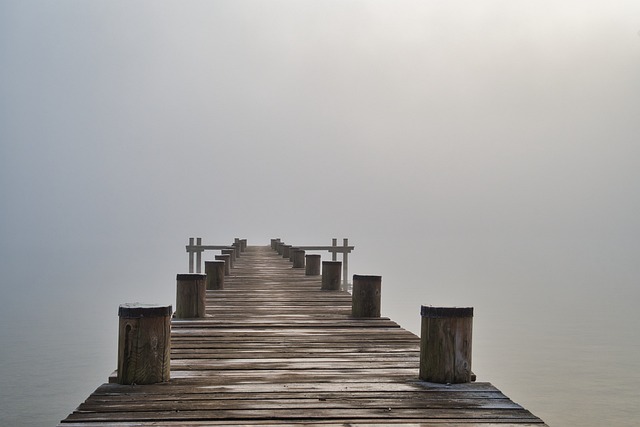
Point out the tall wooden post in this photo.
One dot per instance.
(215, 274)
(190, 296)
(345, 264)
(312, 267)
(365, 297)
(331, 275)
(191, 254)
(227, 263)
(334, 254)
(144, 343)
(445, 344)
(298, 258)
(199, 255)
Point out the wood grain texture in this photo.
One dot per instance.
(275, 349)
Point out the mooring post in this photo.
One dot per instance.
(279, 247)
(144, 343)
(243, 245)
(199, 255)
(445, 344)
(227, 263)
(215, 274)
(190, 251)
(312, 267)
(298, 258)
(285, 251)
(237, 246)
(331, 275)
(231, 253)
(190, 296)
(365, 297)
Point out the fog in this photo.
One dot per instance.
(480, 153)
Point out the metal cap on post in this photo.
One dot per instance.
(365, 297)
(331, 275)
(144, 343)
(215, 274)
(190, 296)
(445, 344)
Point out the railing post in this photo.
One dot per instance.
(215, 274)
(445, 344)
(199, 256)
(144, 343)
(345, 264)
(365, 297)
(190, 296)
(331, 275)
(334, 253)
(190, 251)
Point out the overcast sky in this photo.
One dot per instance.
(473, 151)
(140, 123)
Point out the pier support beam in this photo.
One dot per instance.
(445, 344)
(144, 343)
(190, 296)
(215, 274)
(331, 275)
(365, 297)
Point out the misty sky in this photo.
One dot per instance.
(488, 148)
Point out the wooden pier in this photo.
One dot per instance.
(274, 349)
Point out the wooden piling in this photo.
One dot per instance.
(285, 251)
(365, 296)
(445, 344)
(232, 254)
(298, 258)
(331, 275)
(227, 263)
(144, 344)
(190, 296)
(215, 274)
(312, 265)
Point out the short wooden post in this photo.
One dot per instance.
(331, 275)
(298, 258)
(285, 251)
(231, 253)
(190, 296)
(215, 274)
(279, 247)
(273, 243)
(237, 246)
(445, 344)
(227, 263)
(243, 245)
(365, 297)
(312, 265)
(144, 343)
(292, 249)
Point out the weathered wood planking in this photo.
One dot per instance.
(274, 349)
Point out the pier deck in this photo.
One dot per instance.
(276, 350)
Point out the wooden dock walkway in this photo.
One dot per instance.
(276, 350)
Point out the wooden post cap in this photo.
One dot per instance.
(185, 277)
(137, 310)
(445, 312)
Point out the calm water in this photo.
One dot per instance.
(571, 362)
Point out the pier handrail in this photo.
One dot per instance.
(198, 248)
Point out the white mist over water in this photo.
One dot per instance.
(476, 154)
